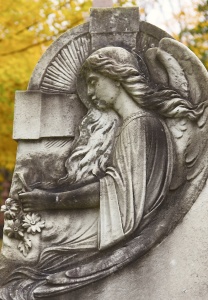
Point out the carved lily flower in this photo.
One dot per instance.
(10, 208)
(13, 229)
(32, 222)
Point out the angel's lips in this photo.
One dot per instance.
(94, 99)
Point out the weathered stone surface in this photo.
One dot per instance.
(39, 115)
(118, 27)
(44, 62)
(89, 197)
(176, 269)
(117, 20)
(192, 68)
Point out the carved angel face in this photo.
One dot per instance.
(102, 90)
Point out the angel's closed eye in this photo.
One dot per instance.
(92, 81)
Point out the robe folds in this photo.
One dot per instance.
(138, 180)
(134, 186)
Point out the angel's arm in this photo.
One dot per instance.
(85, 197)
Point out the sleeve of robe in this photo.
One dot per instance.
(137, 181)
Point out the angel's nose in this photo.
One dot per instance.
(90, 90)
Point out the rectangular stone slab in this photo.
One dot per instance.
(119, 19)
(114, 27)
(39, 115)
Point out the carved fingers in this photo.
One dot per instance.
(36, 200)
(29, 201)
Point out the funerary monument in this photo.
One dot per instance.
(108, 197)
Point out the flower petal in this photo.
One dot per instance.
(38, 229)
(29, 230)
(33, 229)
(20, 233)
(25, 225)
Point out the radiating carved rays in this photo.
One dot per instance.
(62, 72)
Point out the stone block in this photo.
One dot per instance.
(118, 27)
(39, 115)
(116, 20)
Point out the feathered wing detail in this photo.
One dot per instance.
(176, 76)
(195, 72)
(174, 66)
(62, 72)
(196, 152)
(165, 70)
(158, 73)
(178, 128)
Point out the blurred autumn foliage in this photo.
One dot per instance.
(27, 28)
(195, 32)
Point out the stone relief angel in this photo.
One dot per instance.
(120, 172)
(136, 180)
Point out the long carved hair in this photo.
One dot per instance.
(92, 149)
(120, 65)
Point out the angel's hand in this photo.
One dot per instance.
(37, 200)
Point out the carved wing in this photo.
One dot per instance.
(174, 66)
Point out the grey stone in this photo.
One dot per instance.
(176, 269)
(65, 39)
(116, 20)
(105, 197)
(118, 27)
(39, 115)
(190, 64)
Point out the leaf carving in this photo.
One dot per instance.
(24, 246)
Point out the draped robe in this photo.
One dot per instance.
(138, 180)
(134, 186)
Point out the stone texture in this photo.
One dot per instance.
(118, 27)
(117, 20)
(52, 51)
(39, 115)
(174, 270)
